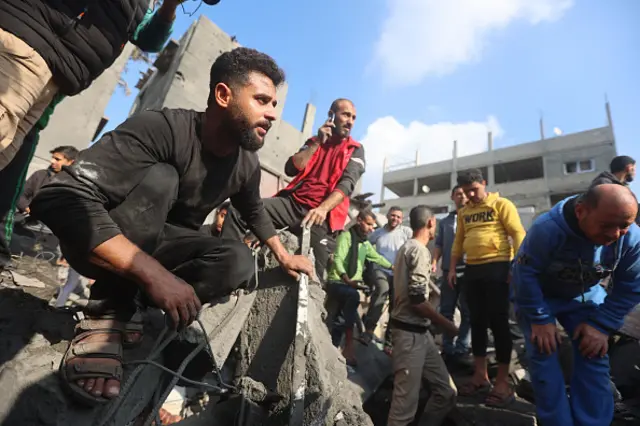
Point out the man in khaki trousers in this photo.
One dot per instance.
(415, 354)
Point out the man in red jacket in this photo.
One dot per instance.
(325, 171)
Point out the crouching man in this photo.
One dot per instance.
(564, 257)
(352, 250)
(415, 354)
(129, 210)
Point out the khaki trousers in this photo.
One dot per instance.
(416, 357)
(26, 89)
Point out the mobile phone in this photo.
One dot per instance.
(332, 119)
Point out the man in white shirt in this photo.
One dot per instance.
(387, 240)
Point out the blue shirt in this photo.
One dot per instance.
(556, 265)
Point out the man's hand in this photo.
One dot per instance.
(295, 264)
(325, 131)
(451, 279)
(592, 341)
(546, 337)
(176, 298)
(315, 216)
(434, 267)
(450, 328)
(27, 210)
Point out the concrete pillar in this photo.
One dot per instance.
(415, 187)
(610, 123)
(307, 121)
(454, 165)
(491, 180)
(417, 157)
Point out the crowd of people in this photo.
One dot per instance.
(128, 212)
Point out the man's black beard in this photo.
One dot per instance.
(628, 178)
(239, 128)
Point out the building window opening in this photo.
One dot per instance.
(582, 166)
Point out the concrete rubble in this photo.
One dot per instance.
(257, 355)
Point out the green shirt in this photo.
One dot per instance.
(341, 258)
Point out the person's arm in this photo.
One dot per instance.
(532, 260)
(625, 295)
(156, 27)
(375, 257)
(437, 251)
(418, 287)
(249, 204)
(457, 247)
(347, 183)
(29, 191)
(510, 219)
(298, 161)
(343, 243)
(75, 203)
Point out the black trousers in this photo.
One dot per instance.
(284, 211)
(12, 179)
(487, 291)
(213, 266)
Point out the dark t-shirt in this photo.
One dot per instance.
(104, 174)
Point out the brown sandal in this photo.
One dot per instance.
(70, 373)
(134, 326)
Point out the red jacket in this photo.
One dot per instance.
(338, 216)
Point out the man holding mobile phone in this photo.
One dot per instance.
(325, 171)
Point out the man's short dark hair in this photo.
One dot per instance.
(469, 177)
(455, 188)
(365, 214)
(394, 209)
(69, 152)
(336, 104)
(419, 217)
(620, 163)
(233, 68)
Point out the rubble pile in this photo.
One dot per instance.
(259, 362)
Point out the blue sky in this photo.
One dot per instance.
(425, 72)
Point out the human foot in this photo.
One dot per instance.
(92, 366)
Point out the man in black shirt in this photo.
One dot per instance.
(62, 156)
(622, 172)
(128, 214)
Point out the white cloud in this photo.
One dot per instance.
(432, 37)
(386, 137)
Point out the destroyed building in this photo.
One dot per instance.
(534, 175)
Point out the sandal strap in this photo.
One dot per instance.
(93, 370)
(97, 350)
(134, 326)
(95, 324)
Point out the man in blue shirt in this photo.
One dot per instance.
(556, 276)
(451, 294)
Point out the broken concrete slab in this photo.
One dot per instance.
(23, 281)
(266, 356)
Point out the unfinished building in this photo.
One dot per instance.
(534, 175)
